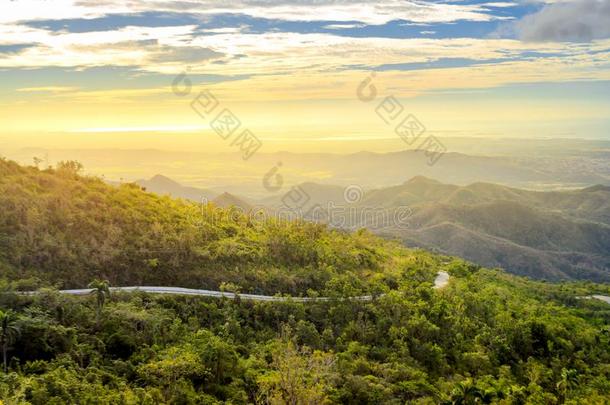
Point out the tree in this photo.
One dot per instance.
(172, 365)
(298, 376)
(71, 167)
(466, 392)
(9, 331)
(101, 289)
(569, 380)
(37, 161)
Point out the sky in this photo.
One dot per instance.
(104, 73)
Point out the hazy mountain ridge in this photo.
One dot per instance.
(542, 165)
(553, 235)
(550, 235)
(162, 185)
(228, 200)
(591, 203)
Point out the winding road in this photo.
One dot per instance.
(604, 298)
(441, 280)
(210, 293)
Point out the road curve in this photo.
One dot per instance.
(604, 298)
(441, 280)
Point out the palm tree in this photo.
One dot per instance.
(487, 396)
(569, 380)
(9, 331)
(465, 392)
(101, 289)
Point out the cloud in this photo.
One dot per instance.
(185, 54)
(343, 26)
(148, 57)
(574, 21)
(108, 13)
(48, 89)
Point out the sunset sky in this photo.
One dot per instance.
(99, 73)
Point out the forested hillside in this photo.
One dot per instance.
(66, 229)
(487, 337)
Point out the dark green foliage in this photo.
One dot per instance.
(485, 338)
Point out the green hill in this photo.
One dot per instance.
(67, 229)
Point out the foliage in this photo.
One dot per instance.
(487, 337)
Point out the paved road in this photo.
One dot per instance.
(441, 280)
(604, 298)
(205, 293)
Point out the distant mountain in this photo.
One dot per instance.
(527, 164)
(549, 235)
(592, 203)
(316, 194)
(227, 200)
(369, 169)
(165, 186)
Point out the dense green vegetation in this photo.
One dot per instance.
(488, 337)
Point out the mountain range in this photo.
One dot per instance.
(543, 165)
(549, 235)
(165, 186)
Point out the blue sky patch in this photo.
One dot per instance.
(116, 21)
(14, 48)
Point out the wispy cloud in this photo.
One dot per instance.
(48, 89)
(159, 128)
(343, 26)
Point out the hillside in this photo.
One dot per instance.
(228, 200)
(547, 235)
(67, 229)
(486, 337)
